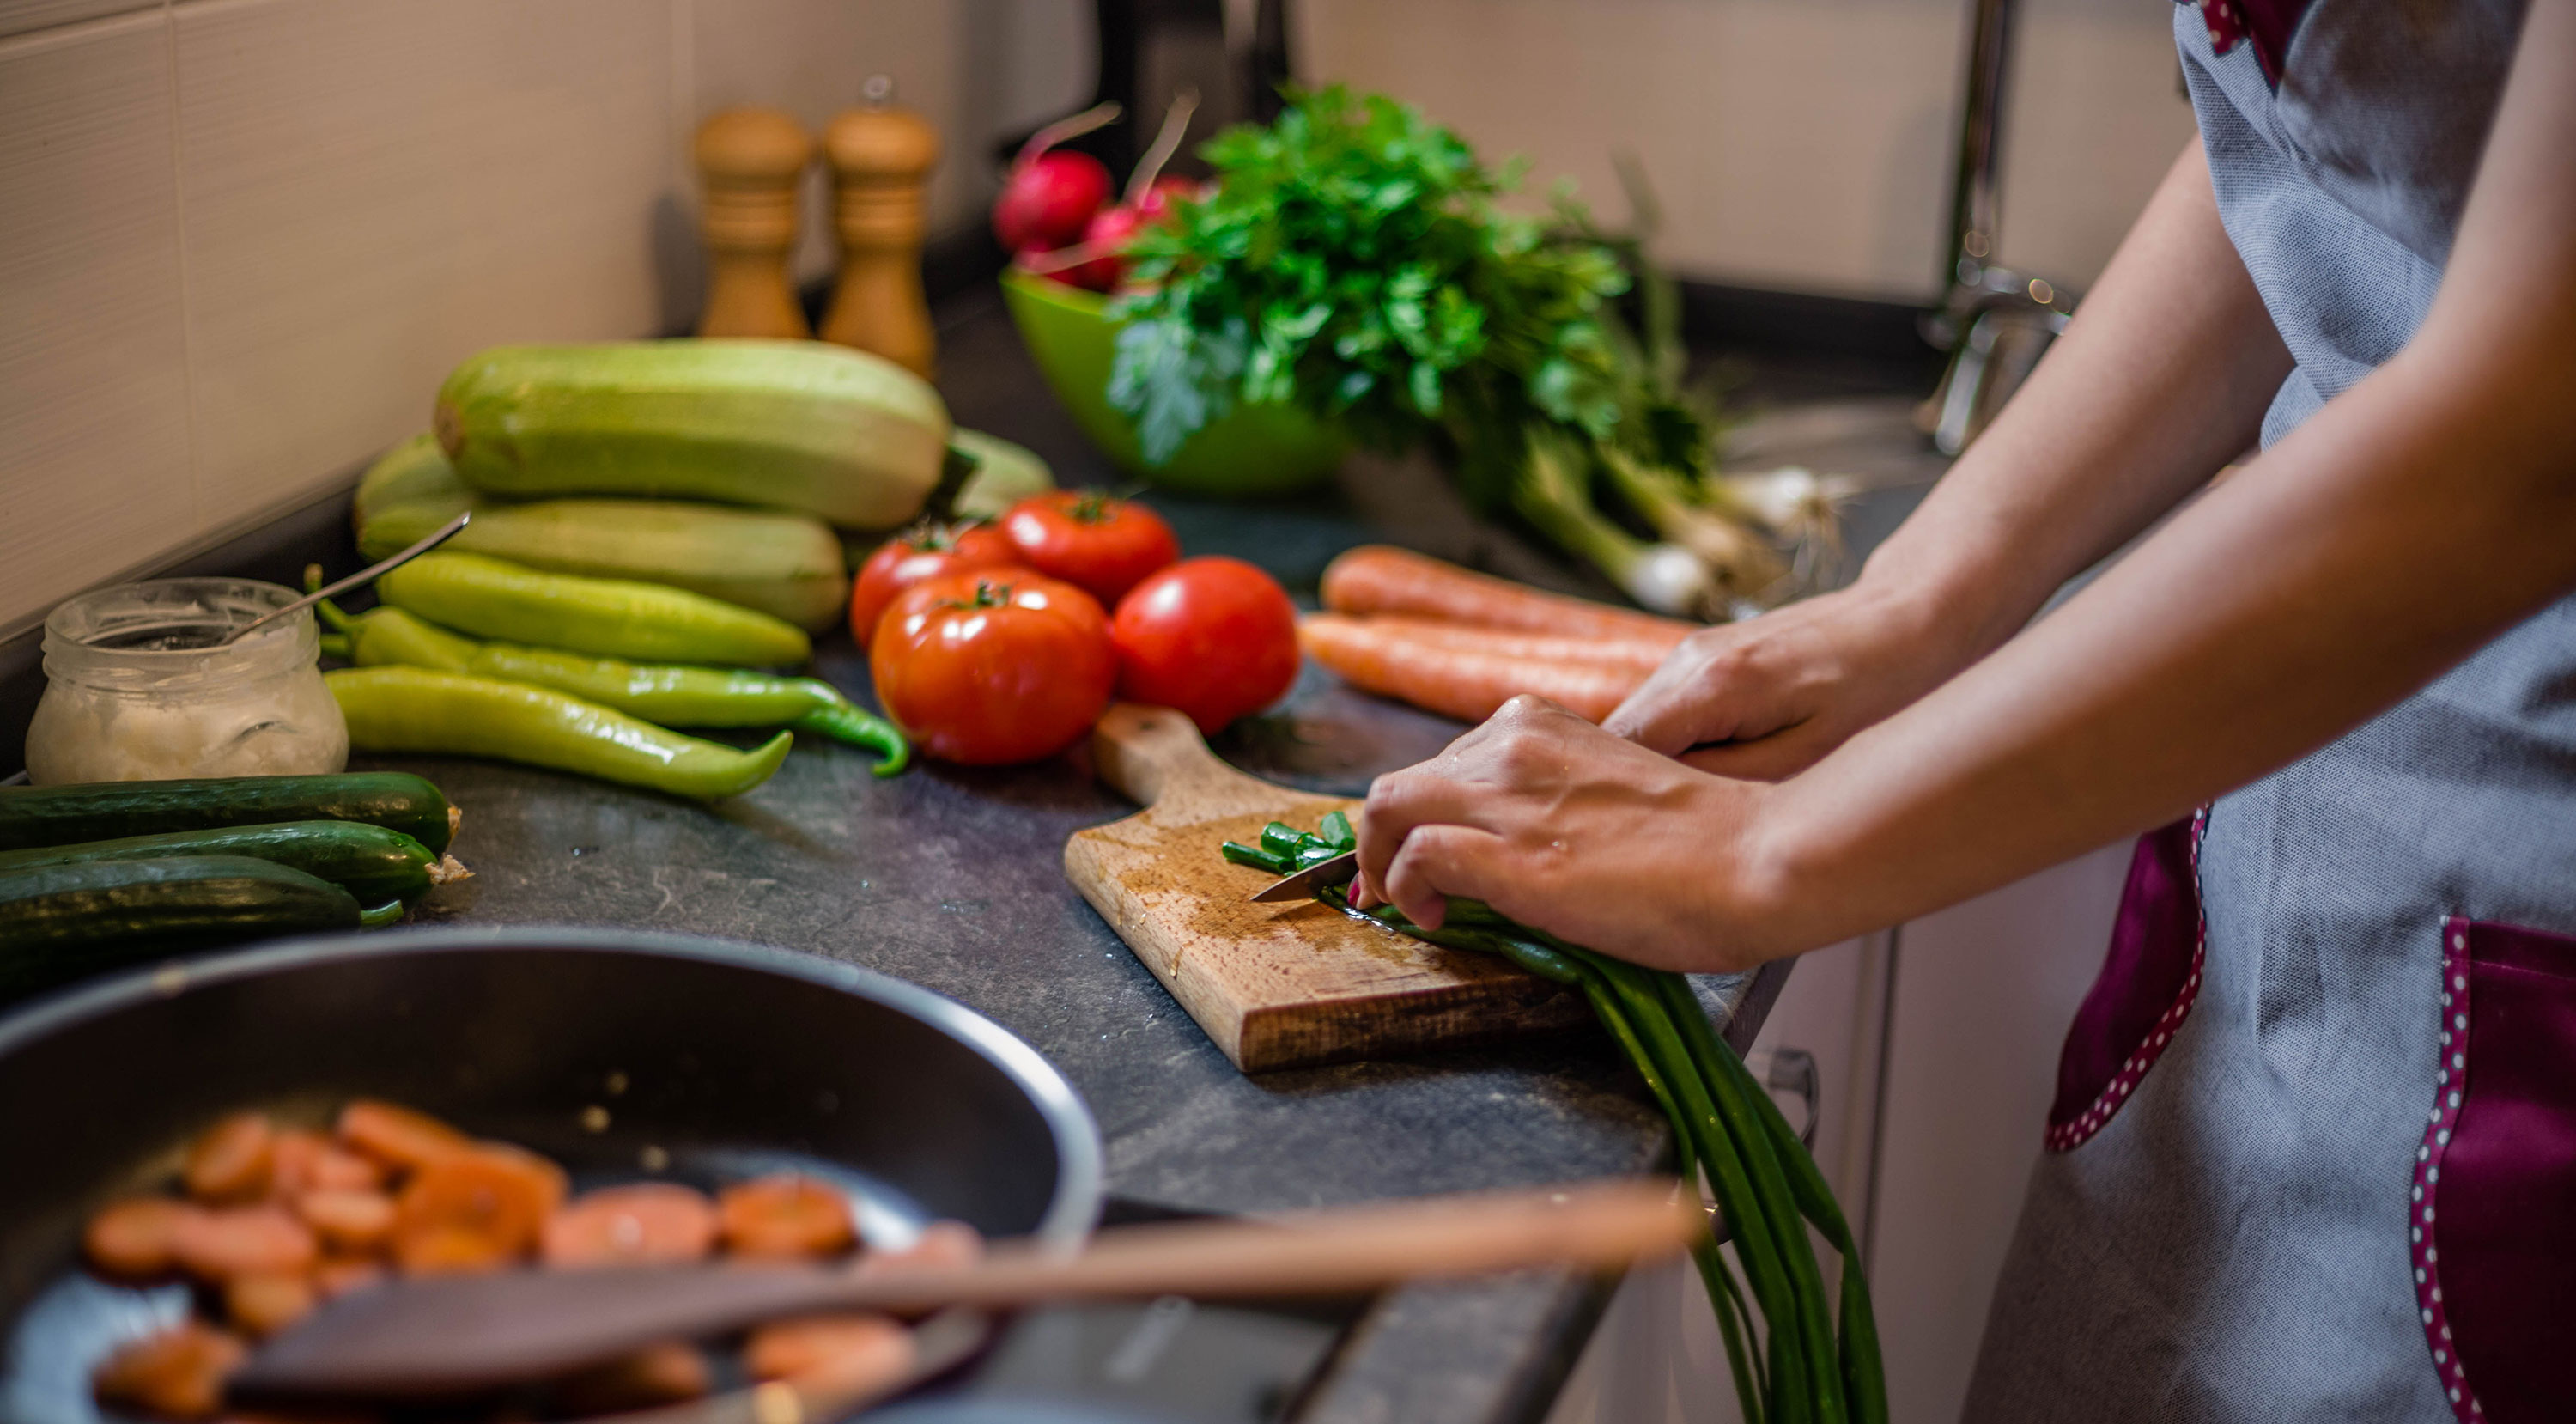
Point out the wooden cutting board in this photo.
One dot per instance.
(1276, 986)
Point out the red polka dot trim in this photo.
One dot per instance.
(2076, 1131)
(2450, 1081)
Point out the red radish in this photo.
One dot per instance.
(1106, 240)
(1165, 194)
(1099, 263)
(1050, 197)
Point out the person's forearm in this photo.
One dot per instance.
(2162, 377)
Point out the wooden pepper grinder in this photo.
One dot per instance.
(750, 161)
(880, 157)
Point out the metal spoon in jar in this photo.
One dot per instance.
(369, 574)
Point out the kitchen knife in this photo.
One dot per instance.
(1304, 884)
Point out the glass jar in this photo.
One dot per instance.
(136, 690)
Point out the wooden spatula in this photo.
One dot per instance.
(461, 1333)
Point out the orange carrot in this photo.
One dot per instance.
(655, 1375)
(337, 1276)
(649, 1223)
(243, 1241)
(1378, 579)
(397, 1136)
(1626, 654)
(784, 1216)
(177, 1374)
(841, 1351)
(311, 1162)
(264, 1305)
(477, 1210)
(136, 1237)
(353, 1222)
(230, 1161)
(1454, 680)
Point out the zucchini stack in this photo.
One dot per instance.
(97, 876)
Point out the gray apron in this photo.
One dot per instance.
(2313, 1153)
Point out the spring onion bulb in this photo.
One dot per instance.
(1666, 578)
(1741, 559)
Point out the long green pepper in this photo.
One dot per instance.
(669, 695)
(1812, 1367)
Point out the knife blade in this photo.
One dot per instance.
(1303, 885)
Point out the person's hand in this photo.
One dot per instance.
(1767, 698)
(1593, 838)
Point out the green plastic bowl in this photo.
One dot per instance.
(1253, 451)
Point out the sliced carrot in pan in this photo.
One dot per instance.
(645, 1224)
(839, 1351)
(941, 1243)
(220, 1244)
(784, 1216)
(230, 1161)
(476, 1210)
(656, 1375)
(350, 1222)
(265, 1304)
(178, 1373)
(397, 1136)
(311, 1162)
(136, 1237)
(336, 1276)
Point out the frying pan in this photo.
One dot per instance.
(622, 1055)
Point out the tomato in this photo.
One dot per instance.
(1104, 545)
(993, 667)
(1212, 637)
(924, 551)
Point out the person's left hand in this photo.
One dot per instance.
(1588, 836)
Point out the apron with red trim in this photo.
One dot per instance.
(2313, 1148)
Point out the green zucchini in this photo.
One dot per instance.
(852, 438)
(61, 922)
(784, 564)
(1004, 475)
(110, 810)
(370, 862)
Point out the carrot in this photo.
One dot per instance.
(1378, 579)
(647, 1223)
(655, 1375)
(842, 1352)
(783, 1216)
(263, 1305)
(311, 1162)
(339, 1275)
(178, 1373)
(1627, 654)
(476, 1210)
(1467, 683)
(230, 1161)
(348, 1221)
(136, 1237)
(218, 1245)
(398, 1137)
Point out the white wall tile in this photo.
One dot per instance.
(373, 189)
(809, 57)
(18, 17)
(93, 378)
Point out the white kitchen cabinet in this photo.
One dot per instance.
(1936, 1046)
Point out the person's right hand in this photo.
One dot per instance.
(1766, 698)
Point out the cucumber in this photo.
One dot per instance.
(852, 438)
(110, 810)
(60, 922)
(373, 864)
(1004, 475)
(783, 564)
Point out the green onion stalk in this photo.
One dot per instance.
(1792, 1358)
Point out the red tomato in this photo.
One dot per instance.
(1105, 545)
(924, 551)
(1212, 637)
(993, 667)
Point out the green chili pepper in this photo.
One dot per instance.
(657, 692)
(616, 618)
(403, 709)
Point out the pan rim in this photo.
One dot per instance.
(1073, 1209)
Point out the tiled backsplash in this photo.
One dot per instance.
(242, 240)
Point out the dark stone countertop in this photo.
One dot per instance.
(953, 879)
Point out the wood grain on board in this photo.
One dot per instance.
(1282, 985)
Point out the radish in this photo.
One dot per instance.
(1097, 264)
(1049, 198)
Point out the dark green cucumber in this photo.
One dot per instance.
(61, 922)
(369, 861)
(109, 810)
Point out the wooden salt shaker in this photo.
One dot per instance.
(750, 161)
(880, 157)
